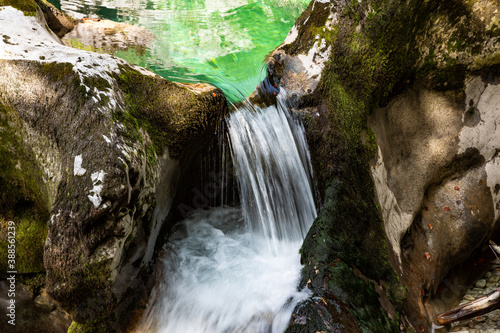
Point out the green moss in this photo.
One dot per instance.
(30, 235)
(28, 7)
(35, 282)
(173, 117)
(362, 299)
(73, 42)
(23, 198)
(54, 71)
(76, 328)
(91, 302)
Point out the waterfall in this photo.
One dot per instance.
(231, 269)
(272, 162)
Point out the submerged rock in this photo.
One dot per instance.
(105, 36)
(399, 101)
(93, 150)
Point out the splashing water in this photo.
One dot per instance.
(237, 270)
(215, 281)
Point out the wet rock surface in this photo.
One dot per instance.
(33, 314)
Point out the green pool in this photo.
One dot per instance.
(222, 42)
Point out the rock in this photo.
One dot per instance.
(481, 283)
(99, 147)
(494, 279)
(106, 36)
(59, 22)
(44, 300)
(420, 115)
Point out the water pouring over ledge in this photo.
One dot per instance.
(272, 162)
(236, 269)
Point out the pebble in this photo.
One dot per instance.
(494, 278)
(481, 283)
(488, 323)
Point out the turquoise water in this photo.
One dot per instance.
(222, 42)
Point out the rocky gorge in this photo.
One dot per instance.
(400, 100)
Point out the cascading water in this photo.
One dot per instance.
(236, 270)
(273, 167)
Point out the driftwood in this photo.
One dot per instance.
(477, 307)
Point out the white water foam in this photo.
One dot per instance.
(215, 281)
(231, 270)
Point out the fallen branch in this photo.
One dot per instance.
(477, 307)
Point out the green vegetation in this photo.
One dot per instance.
(91, 302)
(23, 199)
(28, 7)
(172, 116)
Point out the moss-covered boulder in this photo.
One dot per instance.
(92, 152)
(398, 101)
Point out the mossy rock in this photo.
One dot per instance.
(23, 197)
(171, 115)
(378, 50)
(28, 7)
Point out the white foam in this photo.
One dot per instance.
(215, 281)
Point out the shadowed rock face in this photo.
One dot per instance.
(400, 105)
(435, 177)
(103, 145)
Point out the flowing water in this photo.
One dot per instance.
(237, 269)
(221, 42)
(273, 168)
(228, 269)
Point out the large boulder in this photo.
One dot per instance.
(92, 153)
(400, 105)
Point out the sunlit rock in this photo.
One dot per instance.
(99, 147)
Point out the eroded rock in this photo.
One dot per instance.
(404, 112)
(119, 138)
